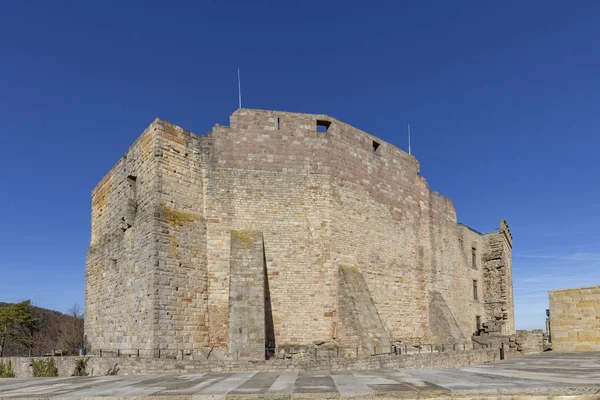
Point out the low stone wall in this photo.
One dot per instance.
(149, 366)
(529, 342)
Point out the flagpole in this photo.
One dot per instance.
(409, 139)
(239, 89)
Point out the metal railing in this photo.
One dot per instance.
(357, 351)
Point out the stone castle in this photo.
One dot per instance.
(284, 229)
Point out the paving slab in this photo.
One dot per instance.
(541, 376)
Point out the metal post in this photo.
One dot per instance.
(118, 353)
(100, 352)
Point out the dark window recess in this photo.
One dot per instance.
(131, 206)
(278, 124)
(474, 257)
(475, 294)
(322, 126)
(478, 323)
(375, 146)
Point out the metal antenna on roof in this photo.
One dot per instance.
(409, 139)
(239, 89)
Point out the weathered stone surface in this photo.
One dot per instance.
(358, 315)
(247, 296)
(158, 267)
(575, 319)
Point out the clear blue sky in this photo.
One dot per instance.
(502, 97)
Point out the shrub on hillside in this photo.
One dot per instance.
(81, 367)
(6, 370)
(44, 368)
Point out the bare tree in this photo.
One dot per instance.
(70, 337)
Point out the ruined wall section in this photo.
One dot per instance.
(575, 319)
(181, 279)
(122, 252)
(498, 290)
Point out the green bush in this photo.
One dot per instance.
(44, 368)
(6, 370)
(80, 367)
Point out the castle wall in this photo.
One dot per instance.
(121, 258)
(180, 310)
(320, 200)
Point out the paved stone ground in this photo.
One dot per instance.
(540, 376)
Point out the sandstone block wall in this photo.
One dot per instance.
(575, 319)
(160, 258)
(530, 341)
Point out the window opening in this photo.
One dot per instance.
(474, 257)
(278, 124)
(475, 294)
(375, 146)
(322, 126)
(478, 323)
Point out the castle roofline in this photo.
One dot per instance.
(319, 117)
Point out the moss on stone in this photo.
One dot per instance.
(349, 268)
(242, 236)
(178, 217)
